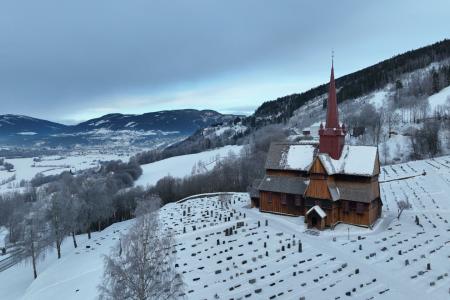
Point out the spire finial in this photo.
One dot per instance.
(332, 58)
(332, 112)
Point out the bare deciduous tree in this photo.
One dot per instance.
(425, 141)
(402, 205)
(94, 202)
(36, 239)
(385, 151)
(8, 166)
(142, 266)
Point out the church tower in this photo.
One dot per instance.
(332, 137)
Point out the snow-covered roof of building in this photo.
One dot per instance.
(283, 184)
(285, 156)
(354, 160)
(354, 191)
(318, 210)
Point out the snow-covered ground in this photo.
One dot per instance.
(3, 233)
(75, 276)
(439, 99)
(183, 165)
(260, 261)
(26, 168)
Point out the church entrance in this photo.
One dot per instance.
(315, 218)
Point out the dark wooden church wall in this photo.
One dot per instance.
(280, 203)
(375, 210)
(354, 215)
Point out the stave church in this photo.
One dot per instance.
(328, 183)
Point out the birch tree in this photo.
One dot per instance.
(142, 265)
(36, 238)
(93, 206)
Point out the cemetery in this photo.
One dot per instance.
(228, 250)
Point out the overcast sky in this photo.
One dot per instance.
(68, 61)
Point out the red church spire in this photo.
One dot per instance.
(332, 111)
(332, 137)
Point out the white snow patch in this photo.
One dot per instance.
(318, 210)
(354, 160)
(299, 157)
(378, 98)
(180, 166)
(99, 122)
(440, 99)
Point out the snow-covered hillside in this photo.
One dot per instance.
(260, 261)
(440, 99)
(228, 130)
(396, 122)
(183, 165)
(75, 276)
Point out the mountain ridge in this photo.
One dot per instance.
(20, 129)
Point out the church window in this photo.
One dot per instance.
(360, 208)
(283, 199)
(346, 207)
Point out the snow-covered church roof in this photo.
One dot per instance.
(285, 156)
(354, 160)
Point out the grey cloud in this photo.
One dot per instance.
(58, 55)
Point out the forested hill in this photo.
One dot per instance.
(358, 83)
(355, 85)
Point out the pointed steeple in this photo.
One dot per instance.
(332, 110)
(332, 137)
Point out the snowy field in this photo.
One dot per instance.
(183, 165)
(75, 276)
(178, 166)
(26, 168)
(440, 99)
(260, 261)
